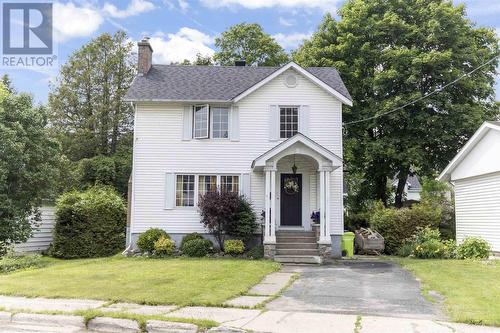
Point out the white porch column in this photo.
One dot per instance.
(270, 205)
(324, 200)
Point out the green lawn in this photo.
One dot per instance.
(150, 281)
(471, 288)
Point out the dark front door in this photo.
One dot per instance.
(291, 200)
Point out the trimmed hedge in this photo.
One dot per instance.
(146, 240)
(89, 224)
(234, 246)
(197, 248)
(189, 237)
(164, 247)
(398, 225)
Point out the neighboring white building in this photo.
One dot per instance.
(42, 233)
(475, 174)
(240, 128)
(412, 187)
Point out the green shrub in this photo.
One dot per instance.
(197, 248)
(406, 249)
(430, 249)
(12, 262)
(146, 240)
(256, 252)
(244, 225)
(398, 225)
(189, 237)
(450, 249)
(473, 248)
(89, 224)
(355, 221)
(234, 246)
(426, 234)
(164, 247)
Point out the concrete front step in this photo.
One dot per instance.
(295, 233)
(295, 245)
(296, 239)
(293, 252)
(298, 259)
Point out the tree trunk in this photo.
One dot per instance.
(402, 177)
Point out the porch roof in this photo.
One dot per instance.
(298, 144)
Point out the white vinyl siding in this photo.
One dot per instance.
(42, 234)
(159, 149)
(477, 208)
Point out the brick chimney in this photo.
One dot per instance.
(145, 56)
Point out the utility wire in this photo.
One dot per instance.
(422, 97)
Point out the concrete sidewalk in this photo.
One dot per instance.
(238, 320)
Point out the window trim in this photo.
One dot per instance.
(279, 119)
(195, 188)
(228, 108)
(208, 121)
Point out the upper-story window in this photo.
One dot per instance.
(201, 120)
(289, 121)
(211, 122)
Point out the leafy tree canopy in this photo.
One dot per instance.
(249, 42)
(390, 53)
(86, 103)
(28, 157)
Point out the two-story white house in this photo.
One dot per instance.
(254, 130)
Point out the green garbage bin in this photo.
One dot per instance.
(348, 244)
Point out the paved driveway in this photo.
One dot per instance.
(366, 287)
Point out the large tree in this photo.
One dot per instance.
(86, 103)
(28, 160)
(250, 43)
(390, 52)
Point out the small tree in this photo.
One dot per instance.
(219, 210)
(245, 224)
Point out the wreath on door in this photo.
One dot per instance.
(291, 186)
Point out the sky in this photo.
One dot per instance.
(179, 29)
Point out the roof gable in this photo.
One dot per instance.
(330, 88)
(468, 147)
(221, 83)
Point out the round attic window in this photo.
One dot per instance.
(291, 80)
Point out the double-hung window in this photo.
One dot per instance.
(201, 121)
(211, 122)
(229, 183)
(289, 121)
(207, 184)
(220, 122)
(184, 196)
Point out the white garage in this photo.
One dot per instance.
(475, 175)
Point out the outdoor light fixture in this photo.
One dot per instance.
(294, 167)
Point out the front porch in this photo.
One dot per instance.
(298, 175)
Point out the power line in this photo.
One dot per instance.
(422, 97)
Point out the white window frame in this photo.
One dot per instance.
(228, 109)
(197, 184)
(206, 175)
(195, 201)
(279, 119)
(207, 120)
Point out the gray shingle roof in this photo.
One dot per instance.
(212, 83)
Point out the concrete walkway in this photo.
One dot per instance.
(364, 287)
(239, 320)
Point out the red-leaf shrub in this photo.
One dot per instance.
(218, 210)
